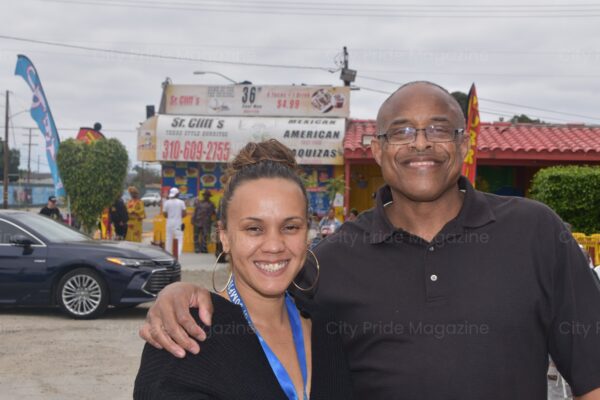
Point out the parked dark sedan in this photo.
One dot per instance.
(43, 262)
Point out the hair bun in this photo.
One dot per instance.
(256, 152)
(257, 160)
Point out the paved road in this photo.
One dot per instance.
(45, 355)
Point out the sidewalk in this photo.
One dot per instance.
(197, 262)
(189, 261)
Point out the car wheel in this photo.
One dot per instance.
(82, 294)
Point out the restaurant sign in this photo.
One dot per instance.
(218, 139)
(253, 100)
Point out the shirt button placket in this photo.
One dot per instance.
(432, 278)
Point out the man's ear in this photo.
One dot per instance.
(223, 237)
(377, 149)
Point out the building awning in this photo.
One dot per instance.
(501, 143)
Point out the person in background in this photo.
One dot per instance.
(174, 211)
(204, 210)
(352, 215)
(51, 210)
(119, 218)
(137, 213)
(313, 231)
(329, 224)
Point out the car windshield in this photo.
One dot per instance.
(54, 231)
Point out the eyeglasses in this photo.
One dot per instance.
(433, 133)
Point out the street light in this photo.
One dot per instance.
(222, 76)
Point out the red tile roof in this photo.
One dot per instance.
(355, 130)
(538, 138)
(501, 139)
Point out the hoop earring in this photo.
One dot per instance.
(316, 279)
(213, 274)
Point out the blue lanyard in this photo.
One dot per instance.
(280, 373)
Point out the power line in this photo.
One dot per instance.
(498, 101)
(477, 73)
(526, 52)
(363, 5)
(164, 57)
(279, 9)
(351, 6)
(510, 114)
(539, 109)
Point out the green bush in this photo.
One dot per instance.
(93, 175)
(573, 192)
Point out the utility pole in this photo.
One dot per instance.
(347, 75)
(6, 155)
(29, 144)
(345, 61)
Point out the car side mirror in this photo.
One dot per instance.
(21, 241)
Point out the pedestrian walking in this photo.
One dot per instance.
(119, 218)
(174, 211)
(136, 213)
(51, 210)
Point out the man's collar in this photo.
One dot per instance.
(475, 211)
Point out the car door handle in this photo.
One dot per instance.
(39, 261)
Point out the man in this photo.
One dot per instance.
(51, 210)
(119, 218)
(440, 291)
(352, 215)
(329, 224)
(202, 221)
(174, 211)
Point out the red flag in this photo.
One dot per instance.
(469, 168)
(89, 135)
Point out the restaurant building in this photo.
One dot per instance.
(200, 128)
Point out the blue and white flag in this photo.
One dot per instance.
(40, 112)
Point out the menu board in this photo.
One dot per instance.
(315, 179)
(183, 176)
(255, 100)
(212, 176)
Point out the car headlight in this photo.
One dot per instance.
(130, 262)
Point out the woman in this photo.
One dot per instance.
(136, 212)
(259, 345)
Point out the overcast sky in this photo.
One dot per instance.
(539, 54)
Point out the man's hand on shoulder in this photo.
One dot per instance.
(169, 324)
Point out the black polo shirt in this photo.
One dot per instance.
(472, 314)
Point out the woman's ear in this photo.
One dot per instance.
(223, 236)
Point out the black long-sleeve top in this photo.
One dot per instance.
(232, 365)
